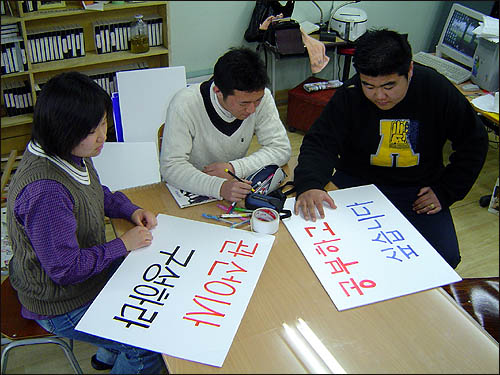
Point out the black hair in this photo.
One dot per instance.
(240, 69)
(382, 52)
(69, 107)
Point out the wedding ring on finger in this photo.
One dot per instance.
(431, 206)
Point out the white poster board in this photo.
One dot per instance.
(185, 294)
(366, 251)
(144, 96)
(123, 165)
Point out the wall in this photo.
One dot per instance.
(201, 31)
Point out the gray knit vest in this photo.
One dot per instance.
(36, 291)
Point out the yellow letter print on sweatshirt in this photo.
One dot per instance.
(394, 149)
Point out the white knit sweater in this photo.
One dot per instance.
(191, 141)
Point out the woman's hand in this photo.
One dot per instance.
(136, 238)
(144, 218)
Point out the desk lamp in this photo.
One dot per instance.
(321, 23)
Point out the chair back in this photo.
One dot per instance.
(479, 297)
(160, 136)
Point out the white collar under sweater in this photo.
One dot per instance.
(82, 177)
(221, 111)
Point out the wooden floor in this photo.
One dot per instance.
(477, 231)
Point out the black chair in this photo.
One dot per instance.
(479, 297)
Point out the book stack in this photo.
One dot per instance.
(114, 35)
(29, 6)
(55, 43)
(13, 50)
(17, 98)
(104, 77)
(111, 35)
(155, 30)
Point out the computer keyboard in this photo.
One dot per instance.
(453, 72)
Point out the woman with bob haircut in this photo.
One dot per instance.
(55, 212)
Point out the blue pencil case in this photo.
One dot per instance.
(271, 176)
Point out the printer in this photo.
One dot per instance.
(349, 23)
(485, 65)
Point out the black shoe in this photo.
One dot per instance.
(484, 201)
(98, 365)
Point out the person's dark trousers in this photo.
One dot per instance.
(437, 229)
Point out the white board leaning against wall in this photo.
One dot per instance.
(144, 96)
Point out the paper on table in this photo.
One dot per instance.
(486, 103)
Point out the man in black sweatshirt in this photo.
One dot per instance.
(387, 126)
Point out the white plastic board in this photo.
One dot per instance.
(144, 96)
(185, 294)
(366, 251)
(122, 165)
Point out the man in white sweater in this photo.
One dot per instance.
(209, 128)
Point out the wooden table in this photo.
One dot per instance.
(425, 332)
(471, 95)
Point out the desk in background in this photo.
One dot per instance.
(425, 332)
(471, 95)
(275, 55)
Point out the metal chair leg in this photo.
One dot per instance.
(68, 350)
(45, 340)
(4, 359)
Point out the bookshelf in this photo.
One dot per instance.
(16, 130)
